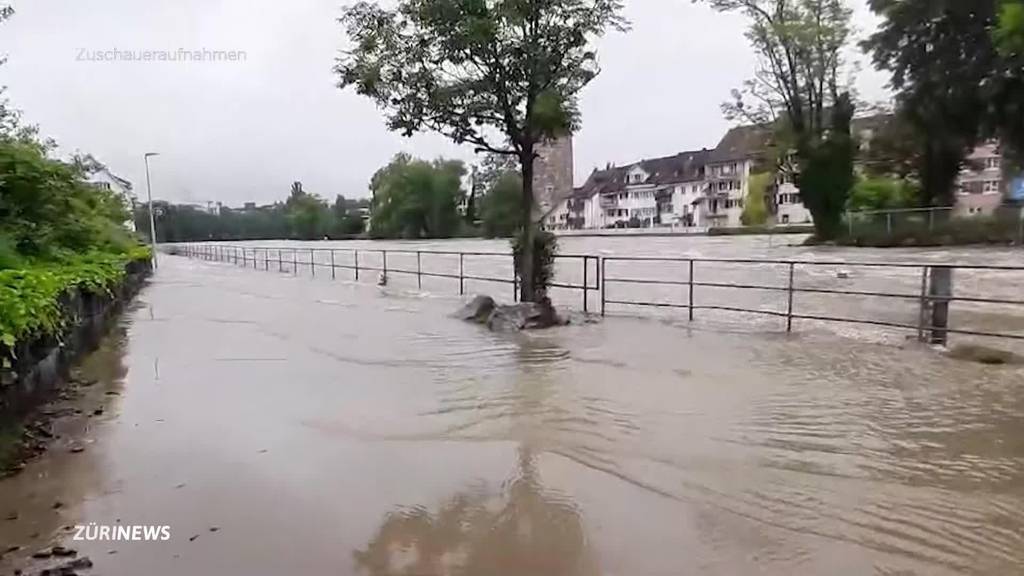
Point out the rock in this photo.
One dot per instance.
(77, 449)
(214, 528)
(58, 505)
(983, 355)
(12, 516)
(843, 274)
(479, 310)
(524, 316)
(193, 538)
(42, 555)
(97, 412)
(68, 568)
(63, 552)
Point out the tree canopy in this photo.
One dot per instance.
(502, 75)
(417, 199)
(954, 86)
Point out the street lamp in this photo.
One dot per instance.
(152, 219)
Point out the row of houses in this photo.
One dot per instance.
(707, 188)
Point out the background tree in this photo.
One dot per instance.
(417, 199)
(499, 208)
(1010, 32)
(796, 84)
(308, 215)
(502, 75)
(755, 206)
(954, 87)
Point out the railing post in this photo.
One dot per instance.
(586, 280)
(462, 284)
(333, 273)
(888, 222)
(931, 219)
(357, 265)
(255, 259)
(922, 313)
(312, 266)
(604, 285)
(849, 222)
(690, 300)
(266, 259)
(280, 262)
(295, 262)
(515, 281)
(789, 307)
(419, 271)
(384, 264)
(940, 291)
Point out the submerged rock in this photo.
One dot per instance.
(478, 310)
(522, 316)
(984, 355)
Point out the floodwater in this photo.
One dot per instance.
(283, 424)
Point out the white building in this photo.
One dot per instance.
(107, 180)
(980, 184)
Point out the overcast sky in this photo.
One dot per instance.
(244, 130)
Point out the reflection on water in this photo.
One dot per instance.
(521, 528)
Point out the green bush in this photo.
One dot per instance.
(545, 248)
(30, 297)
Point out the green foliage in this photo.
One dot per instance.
(30, 297)
(880, 193)
(755, 207)
(1010, 32)
(500, 208)
(46, 208)
(545, 248)
(953, 85)
(826, 172)
(307, 218)
(417, 199)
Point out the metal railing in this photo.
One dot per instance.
(930, 286)
(933, 298)
(294, 259)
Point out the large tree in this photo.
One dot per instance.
(502, 75)
(954, 86)
(796, 89)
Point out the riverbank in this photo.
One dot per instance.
(51, 315)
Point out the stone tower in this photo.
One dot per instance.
(552, 173)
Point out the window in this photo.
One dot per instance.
(102, 185)
(992, 163)
(637, 177)
(549, 190)
(785, 218)
(991, 186)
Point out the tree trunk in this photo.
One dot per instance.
(528, 287)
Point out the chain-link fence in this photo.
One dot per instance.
(934, 226)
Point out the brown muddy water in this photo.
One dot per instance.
(329, 427)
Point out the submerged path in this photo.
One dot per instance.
(289, 425)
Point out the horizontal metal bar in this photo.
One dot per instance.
(815, 263)
(648, 304)
(645, 281)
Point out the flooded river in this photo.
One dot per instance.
(283, 424)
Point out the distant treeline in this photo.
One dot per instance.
(412, 199)
(303, 216)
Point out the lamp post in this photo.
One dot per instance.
(152, 219)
